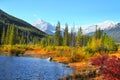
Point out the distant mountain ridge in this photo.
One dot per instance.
(109, 27)
(103, 26)
(114, 32)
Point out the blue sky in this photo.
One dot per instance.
(78, 12)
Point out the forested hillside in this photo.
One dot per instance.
(21, 29)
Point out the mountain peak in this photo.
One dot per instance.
(39, 21)
(44, 26)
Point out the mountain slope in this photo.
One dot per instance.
(6, 19)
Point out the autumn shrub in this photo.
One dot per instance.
(89, 50)
(72, 53)
(108, 66)
(17, 52)
(77, 58)
(26, 47)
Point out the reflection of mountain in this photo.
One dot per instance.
(6, 19)
(44, 26)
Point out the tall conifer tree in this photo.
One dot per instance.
(66, 36)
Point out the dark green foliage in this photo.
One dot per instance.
(14, 35)
(72, 37)
(109, 43)
(66, 36)
(11, 35)
(98, 33)
(3, 36)
(79, 38)
(58, 37)
(48, 41)
(85, 39)
(101, 43)
(16, 52)
(7, 35)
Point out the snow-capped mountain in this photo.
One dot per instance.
(109, 27)
(44, 26)
(103, 26)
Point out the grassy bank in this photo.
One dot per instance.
(14, 50)
(61, 53)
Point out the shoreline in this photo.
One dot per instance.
(78, 68)
(83, 70)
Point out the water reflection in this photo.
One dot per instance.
(20, 68)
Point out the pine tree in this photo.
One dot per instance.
(58, 37)
(7, 35)
(22, 40)
(50, 40)
(66, 36)
(43, 42)
(98, 33)
(11, 35)
(108, 42)
(16, 36)
(95, 33)
(72, 37)
(3, 37)
(79, 39)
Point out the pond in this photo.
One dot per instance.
(21, 68)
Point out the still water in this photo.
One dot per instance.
(20, 68)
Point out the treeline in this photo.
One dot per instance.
(13, 34)
(99, 42)
(73, 39)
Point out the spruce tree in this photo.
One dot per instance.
(72, 37)
(22, 40)
(108, 42)
(16, 36)
(58, 37)
(79, 42)
(66, 36)
(7, 35)
(98, 33)
(3, 37)
(12, 34)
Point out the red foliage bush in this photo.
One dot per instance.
(108, 66)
